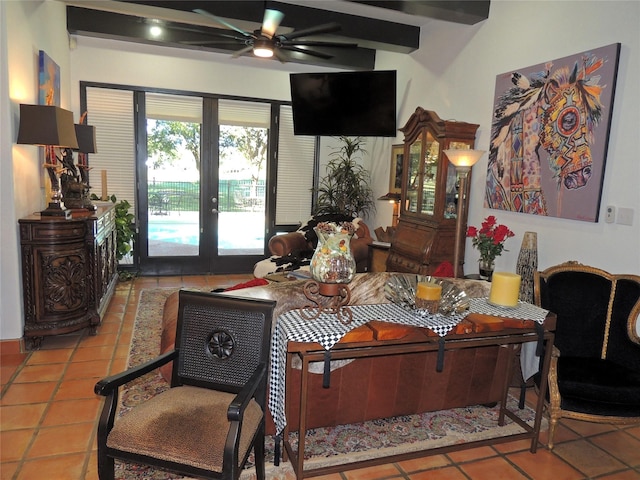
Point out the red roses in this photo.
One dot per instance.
(489, 240)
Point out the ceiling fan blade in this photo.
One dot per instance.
(271, 22)
(313, 53)
(223, 22)
(242, 51)
(279, 55)
(318, 29)
(212, 42)
(312, 43)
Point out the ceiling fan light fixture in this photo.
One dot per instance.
(155, 31)
(263, 49)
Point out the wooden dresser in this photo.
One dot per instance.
(69, 272)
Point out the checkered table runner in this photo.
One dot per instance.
(327, 330)
(523, 311)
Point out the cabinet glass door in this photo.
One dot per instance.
(413, 176)
(430, 175)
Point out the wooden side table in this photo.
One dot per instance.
(378, 253)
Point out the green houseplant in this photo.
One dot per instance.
(125, 226)
(346, 187)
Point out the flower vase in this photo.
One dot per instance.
(332, 261)
(485, 268)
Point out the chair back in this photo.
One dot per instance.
(220, 340)
(625, 319)
(596, 311)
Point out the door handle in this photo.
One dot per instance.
(214, 210)
(214, 200)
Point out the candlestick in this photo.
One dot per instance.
(505, 289)
(104, 185)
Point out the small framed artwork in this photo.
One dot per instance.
(48, 80)
(395, 175)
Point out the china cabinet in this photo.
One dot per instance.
(430, 200)
(69, 272)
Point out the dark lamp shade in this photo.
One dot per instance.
(46, 125)
(86, 135)
(392, 197)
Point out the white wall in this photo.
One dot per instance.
(26, 28)
(453, 74)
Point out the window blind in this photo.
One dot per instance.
(295, 172)
(244, 114)
(173, 108)
(111, 112)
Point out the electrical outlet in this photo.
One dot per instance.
(625, 216)
(610, 216)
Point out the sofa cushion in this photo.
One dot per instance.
(592, 385)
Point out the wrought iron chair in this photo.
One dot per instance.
(207, 423)
(595, 364)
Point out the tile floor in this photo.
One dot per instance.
(48, 415)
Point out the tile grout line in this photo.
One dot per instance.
(37, 428)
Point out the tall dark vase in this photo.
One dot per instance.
(527, 265)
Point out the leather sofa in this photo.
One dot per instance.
(289, 250)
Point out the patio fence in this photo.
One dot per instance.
(233, 196)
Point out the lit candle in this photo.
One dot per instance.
(429, 291)
(104, 185)
(428, 296)
(505, 289)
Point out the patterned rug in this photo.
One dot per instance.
(325, 446)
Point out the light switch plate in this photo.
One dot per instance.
(610, 215)
(625, 216)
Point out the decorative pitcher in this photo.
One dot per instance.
(332, 261)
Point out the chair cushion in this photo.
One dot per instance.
(186, 425)
(601, 387)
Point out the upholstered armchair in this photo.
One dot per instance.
(213, 415)
(595, 366)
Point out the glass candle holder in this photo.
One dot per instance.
(332, 261)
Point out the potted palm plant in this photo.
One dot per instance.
(346, 188)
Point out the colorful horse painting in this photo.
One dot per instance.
(549, 116)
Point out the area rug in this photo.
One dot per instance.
(324, 446)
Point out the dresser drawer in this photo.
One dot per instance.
(53, 232)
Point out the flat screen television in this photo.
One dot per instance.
(344, 103)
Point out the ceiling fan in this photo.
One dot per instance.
(266, 42)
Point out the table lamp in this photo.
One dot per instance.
(86, 135)
(48, 126)
(395, 199)
(463, 160)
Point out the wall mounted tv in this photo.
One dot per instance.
(344, 103)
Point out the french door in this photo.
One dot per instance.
(202, 166)
(209, 178)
